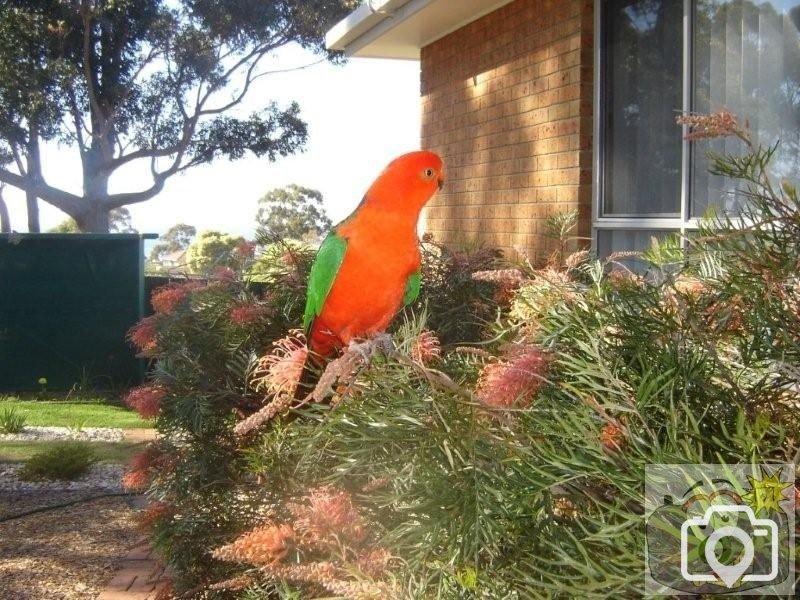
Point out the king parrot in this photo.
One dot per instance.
(368, 267)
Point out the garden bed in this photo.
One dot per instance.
(103, 477)
(60, 539)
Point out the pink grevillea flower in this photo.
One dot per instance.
(613, 437)
(151, 457)
(143, 336)
(166, 298)
(514, 381)
(280, 370)
(374, 562)
(146, 399)
(154, 512)
(245, 314)
(326, 516)
(263, 545)
(135, 481)
(513, 276)
(426, 348)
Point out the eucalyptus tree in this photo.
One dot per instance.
(151, 82)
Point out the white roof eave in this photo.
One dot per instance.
(400, 28)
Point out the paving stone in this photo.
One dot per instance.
(141, 577)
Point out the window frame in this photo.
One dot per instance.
(683, 223)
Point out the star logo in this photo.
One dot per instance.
(766, 493)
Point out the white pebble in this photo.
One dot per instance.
(84, 434)
(100, 477)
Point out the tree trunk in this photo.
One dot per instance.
(94, 219)
(34, 173)
(33, 212)
(5, 220)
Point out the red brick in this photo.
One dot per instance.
(507, 101)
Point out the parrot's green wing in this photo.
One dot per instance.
(323, 273)
(412, 288)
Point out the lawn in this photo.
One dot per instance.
(77, 413)
(108, 452)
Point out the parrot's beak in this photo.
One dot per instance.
(441, 183)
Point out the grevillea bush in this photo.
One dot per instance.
(509, 466)
(224, 353)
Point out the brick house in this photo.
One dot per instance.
(544, 106)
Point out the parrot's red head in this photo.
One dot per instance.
(409, 181)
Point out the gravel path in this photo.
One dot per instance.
(101, 477)
(63, 554)
(85, 434)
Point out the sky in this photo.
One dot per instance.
(360, 115)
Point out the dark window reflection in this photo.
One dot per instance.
(610, 241)
(643, 90)
(747, 60)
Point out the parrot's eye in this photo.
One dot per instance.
(428, 173)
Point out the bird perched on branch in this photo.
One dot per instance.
(368, 267)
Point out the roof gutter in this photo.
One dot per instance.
(370, 21)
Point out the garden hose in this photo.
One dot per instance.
(42, 509)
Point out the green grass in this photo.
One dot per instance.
(75, 413)
(107, 452)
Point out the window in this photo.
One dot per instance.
(657, 58)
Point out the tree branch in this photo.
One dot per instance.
(18, 160)
(190, 122)
(5, 219)
(69, 203)
(119, 200)
(77, 119)
(256, 55)
(159, 179)
(87, 67)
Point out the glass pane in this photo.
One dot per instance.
(746, 60)
(618, 240)
(643, 41)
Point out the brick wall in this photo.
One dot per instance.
(507, 102)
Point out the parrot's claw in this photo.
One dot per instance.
(384, 342)
(368, 348)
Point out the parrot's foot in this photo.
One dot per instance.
(368, 348)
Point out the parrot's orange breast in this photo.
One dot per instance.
(369, 287)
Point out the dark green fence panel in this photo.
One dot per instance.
(66, 302)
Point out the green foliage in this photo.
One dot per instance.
(64, 460)
(461, 308)
(176, 239)
(561, 227)
(482, 478)
(66, 226)
(11, 420)
(119, 453)
(281, 259)
(292, 213)
(205, 353)
(212, 250)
